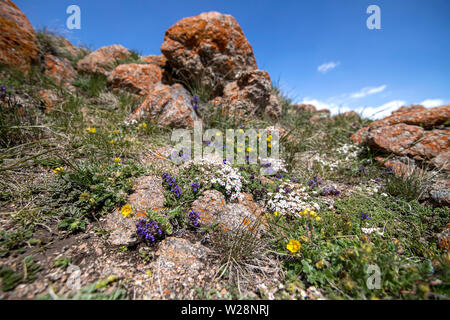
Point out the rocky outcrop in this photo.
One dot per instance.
(18, 46)
(414, 133)
(250, 94)
(157, 60)
(180, 266)
(135, 78)
(210, 46)
(59, 69)
(211, 50)
(213, 209)
(103, 60)
(412, 107)
(49, 98)
(167, 106)
(148, 195)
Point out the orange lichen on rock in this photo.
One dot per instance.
(136, 78)
(59, 69)
(18, 46)
(413, 133)
(102, 60)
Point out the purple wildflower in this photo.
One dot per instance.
(364, 216)
(148, 229)
(362, 170)
(2, 92)
(193, 218)
(172, 183)
(194, 102)
(315, 181)
(195, 186)
(330, 191)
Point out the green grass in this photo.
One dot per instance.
(335, 253)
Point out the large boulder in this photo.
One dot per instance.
(211, 50)
(250, 94)
(167, 106)
(420, 134)
(103, 60)
(210, 46)
(136, 78)
(18, 46)
(59, 69)
(158, 60)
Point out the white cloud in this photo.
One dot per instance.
(430, 103)
(381, 111)
(324, 68)
(367, 91)
(366, 112)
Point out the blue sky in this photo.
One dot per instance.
(318, 51)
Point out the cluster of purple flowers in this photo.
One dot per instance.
(2, 92)
(173, 184)
(260, 192)
(148, 229)
(194, 102)
(314, 182)
(332, 191)
(362, 170)
(195, 186)
(265, 165)
(193, 218)
(364, 216)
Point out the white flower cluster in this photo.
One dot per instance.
(222, 174)
(130, 123)
(348, 151)
(290, 200)
(339, 157)
(230, 179)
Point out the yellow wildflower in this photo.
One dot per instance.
(144, 125)
(318, 219)
(249, 149)
(275, 213)
(126, 210)
(239, 150)
(58, 170)
(269, 145)
(241, 131)
(218, 134)
(91, 130)
(116, 160)
(148, 272)
(111, 141)
(116, 131)
(84, 196)
(258, 135)
(293, 246)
